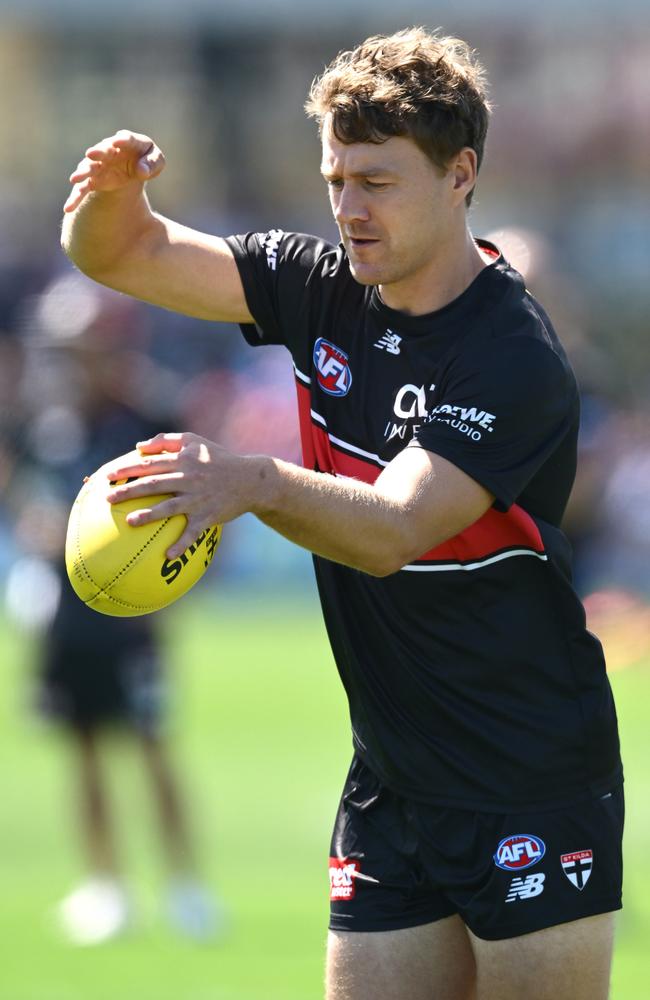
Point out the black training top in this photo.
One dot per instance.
(471, 678)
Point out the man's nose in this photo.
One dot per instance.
(350, 205)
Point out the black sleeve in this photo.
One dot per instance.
(276, 269)
(502, 413)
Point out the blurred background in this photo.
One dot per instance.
(252, 713)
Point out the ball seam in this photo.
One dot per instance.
(106, 589)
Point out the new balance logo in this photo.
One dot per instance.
(526, 888)
(389, 342)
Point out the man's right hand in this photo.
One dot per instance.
(114, 163)
(119, 241)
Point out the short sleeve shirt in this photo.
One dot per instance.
(471, 678)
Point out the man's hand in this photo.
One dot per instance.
(117, 239)
(210, 484)
(114, 163)
(418, 501)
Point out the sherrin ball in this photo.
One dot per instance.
(121, 570)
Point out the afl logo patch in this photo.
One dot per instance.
(332, 367)
(519, 851)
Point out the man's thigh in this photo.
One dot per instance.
(444, 961)
(569, 961)
(430, 962)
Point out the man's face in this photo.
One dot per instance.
(394, 209)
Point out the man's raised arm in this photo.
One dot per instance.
(111, 234)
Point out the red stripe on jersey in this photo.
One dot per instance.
(307, 429)
(494, 532)
(318, 452)
(354, 467)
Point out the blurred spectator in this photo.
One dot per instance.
(91, 395)
(607, 519)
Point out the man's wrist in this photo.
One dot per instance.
(266, 485)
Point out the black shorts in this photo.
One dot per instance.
(85, 686)
(395, 863)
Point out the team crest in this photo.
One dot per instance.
(332, 367)
(577, 867)
(519, 851)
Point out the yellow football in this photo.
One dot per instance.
(122, 570)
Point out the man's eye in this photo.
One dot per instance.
(336, 183)
(376, 185)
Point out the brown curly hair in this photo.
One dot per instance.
(413, 83)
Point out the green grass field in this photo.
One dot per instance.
(259, 725)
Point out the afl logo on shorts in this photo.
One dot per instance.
(519, 851)
(331, 363)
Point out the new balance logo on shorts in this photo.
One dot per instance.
(526, 888)
(342, 878)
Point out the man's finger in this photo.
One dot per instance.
(124, 137)
(148, 154)
(162, 442)
(188, 538)
(74, 198)
(77, 195)
(95, 153)
(102, 148)
(146, 481)
(150, 165)
(85, 168)
(147, 515)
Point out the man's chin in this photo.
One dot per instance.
(363, 273)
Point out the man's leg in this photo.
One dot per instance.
(96, 826)
(567, 962)
(192, 908)
(430, 962)
(99, 908)
(171, 812)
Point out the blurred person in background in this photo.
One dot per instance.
(439, 418)
(92, 394)
(606, 519)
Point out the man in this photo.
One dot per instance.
(97, 673)
(439, 419)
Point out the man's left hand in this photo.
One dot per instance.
(210, 485)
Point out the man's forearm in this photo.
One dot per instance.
(106, 227)
(418, 500)
(344, 520)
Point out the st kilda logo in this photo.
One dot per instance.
(519, 851)
(332, 367)
(577, 867)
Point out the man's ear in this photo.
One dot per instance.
(464, 168)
